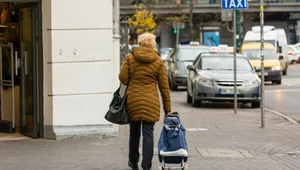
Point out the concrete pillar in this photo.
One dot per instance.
(81, 64)
(167, 37)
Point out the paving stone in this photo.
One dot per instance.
(224, 153)
(232, 142)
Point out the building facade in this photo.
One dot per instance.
(67, 60)
(208, 15)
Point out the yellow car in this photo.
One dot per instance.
(272, 66)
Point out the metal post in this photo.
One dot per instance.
(234, 61)
(238, 29)
(262, 64)
(177, 35)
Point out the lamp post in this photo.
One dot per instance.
(262, 64)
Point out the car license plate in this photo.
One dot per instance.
(228, 91)
(265, 73)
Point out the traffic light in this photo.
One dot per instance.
(175, 30)
(238, 29)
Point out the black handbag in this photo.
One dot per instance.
(117, 112)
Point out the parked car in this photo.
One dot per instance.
(272, 65)
(293, 54)
(276, 36)
(211, 79)
(164, 52)
(177, 61)
(297, 45)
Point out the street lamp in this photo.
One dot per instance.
(262, 64)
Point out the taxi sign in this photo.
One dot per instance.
(194, 43)
(221, 49)
(230, 49)
(214, 49)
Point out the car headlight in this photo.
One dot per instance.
(180, 72)
(205, 81)
(253, 82)
(276, 68)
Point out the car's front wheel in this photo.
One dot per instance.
(255, 104)
(196, 103)
(278, 82)
(173, 87)
(188, 97)
(284, 72)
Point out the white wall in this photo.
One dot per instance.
(80, 65)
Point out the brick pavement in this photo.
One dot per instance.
(231, 141)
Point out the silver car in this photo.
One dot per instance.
(177, 61)
(211, 78)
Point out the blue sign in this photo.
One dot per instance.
(234, 4)
(211, 38)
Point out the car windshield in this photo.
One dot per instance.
(266, 41)
(165, 50)
(224, 63)
(255, 54)
(190, 54)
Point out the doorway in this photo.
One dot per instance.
(21, 68)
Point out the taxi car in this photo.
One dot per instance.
(272, 67)
(178, 59)
(211, 78)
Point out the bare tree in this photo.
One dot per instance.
(191, 25)
(248, 21)
(186, 15)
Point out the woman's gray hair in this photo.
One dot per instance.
(147, 40)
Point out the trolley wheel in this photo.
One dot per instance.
(185, 167)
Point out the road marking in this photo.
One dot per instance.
(282, 115)
(289, 84)
(196, 129)
(281, 90)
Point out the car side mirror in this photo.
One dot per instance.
(281, 57)
(190, 67)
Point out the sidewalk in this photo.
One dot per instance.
(217, 139)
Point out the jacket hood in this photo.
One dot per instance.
(145, 55)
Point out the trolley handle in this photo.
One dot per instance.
(172, 115)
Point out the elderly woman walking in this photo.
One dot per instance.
(142, 71)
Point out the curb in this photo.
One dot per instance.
(283, 116)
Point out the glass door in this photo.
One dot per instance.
(28, 71)
(7, 90)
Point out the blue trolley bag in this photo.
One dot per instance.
(172, 145)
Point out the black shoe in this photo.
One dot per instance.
(133, 166)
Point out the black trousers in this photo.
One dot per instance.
(148, 143)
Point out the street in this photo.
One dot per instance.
(285, 98)
(217, 139)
